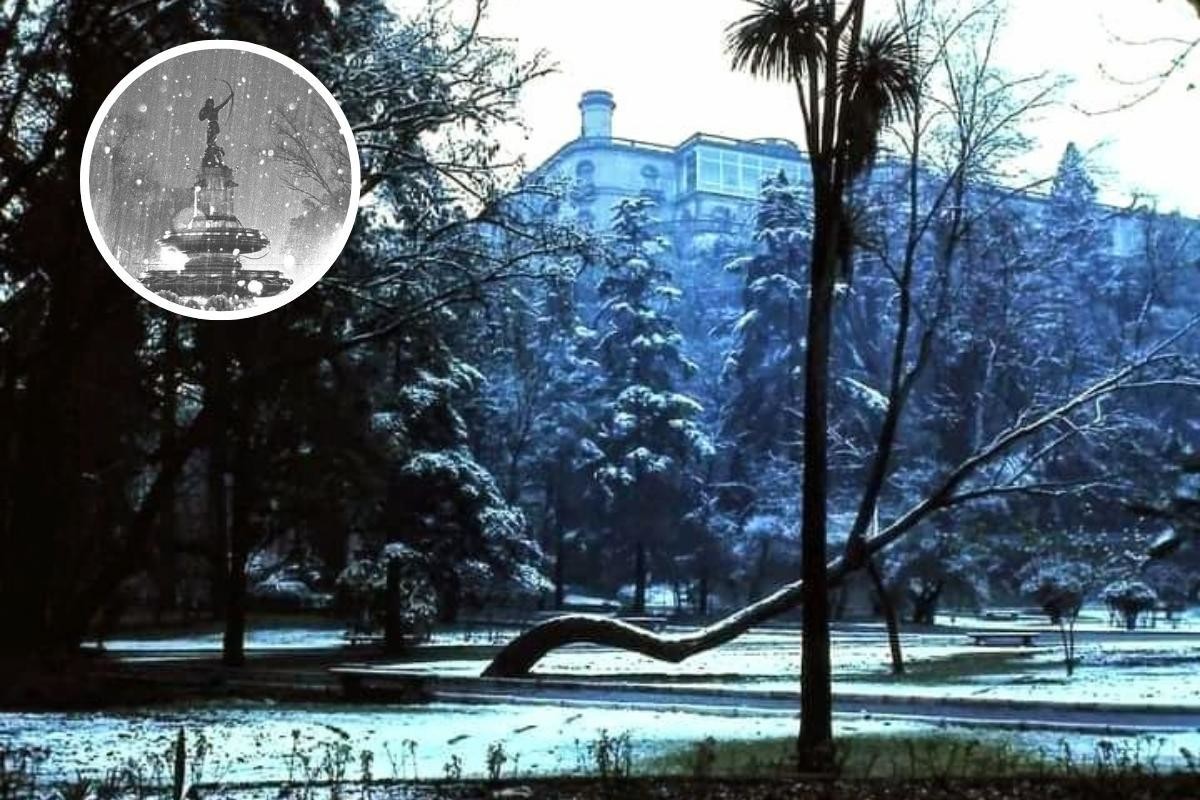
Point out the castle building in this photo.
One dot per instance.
(704, 184)
(711, 184)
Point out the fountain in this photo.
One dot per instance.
(212, 238)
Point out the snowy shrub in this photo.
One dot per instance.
(478, 547)
(1058, 588)
(362, 589)
(930, 568)
(286, 582)
(288, 592)
(1170, 582)
(1129, 599)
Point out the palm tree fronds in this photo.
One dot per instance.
(879, 85)
(779, 38)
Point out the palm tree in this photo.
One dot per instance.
(850, 84)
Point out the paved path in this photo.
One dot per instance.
(374, 681)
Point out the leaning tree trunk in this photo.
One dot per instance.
(890, 617)
(521, 654)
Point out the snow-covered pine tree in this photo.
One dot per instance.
(648, 447)
(537, 405)
(1072, 185)
(441, 502)
(570, 384)
(763, 367)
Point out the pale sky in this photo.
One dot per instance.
(664, 62)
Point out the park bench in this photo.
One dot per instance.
(1000, 615)
(356, 679)
(1003, 638)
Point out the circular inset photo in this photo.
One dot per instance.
(220, 180)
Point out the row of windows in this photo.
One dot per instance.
(734, 173)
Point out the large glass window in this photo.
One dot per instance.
(710, 171)
(739, 174)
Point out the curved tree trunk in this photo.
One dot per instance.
(520, 655)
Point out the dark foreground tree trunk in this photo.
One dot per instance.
(241, 534)
(233, 646)
(815, 746)
(166, 574)
(216, 397)
(393, 631)
(240, 537)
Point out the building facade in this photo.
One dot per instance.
(705, 184)
(711, 184)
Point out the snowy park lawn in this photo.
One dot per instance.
(262, 743)
(252, 742)
(1139, 668)
(896, 755)
(1114, 670)
(277, 634)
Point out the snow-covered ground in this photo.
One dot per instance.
(1092, 617)
(275, 637)
(1133, 671)
(279, 638)
(251, 741)
(256, 743)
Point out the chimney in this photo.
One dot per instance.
(596, 108)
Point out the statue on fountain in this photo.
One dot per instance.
(213, 154)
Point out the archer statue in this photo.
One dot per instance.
(213, 154)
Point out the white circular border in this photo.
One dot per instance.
(264, 305)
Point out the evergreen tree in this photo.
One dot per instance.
(764, 367)
(648, 446)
